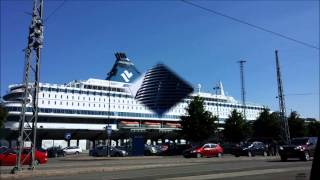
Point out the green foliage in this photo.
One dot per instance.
(3, 116)
(313, 128)
(236, 129)
(267, 125)
(296, 125)
(198, 125)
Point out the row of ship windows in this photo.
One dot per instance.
(89, 104)
(102, 113)
(123, 101)
(102, 105)
(229, 109)
(234, 106)
(127, 107)
(84, 98)
(76, 91)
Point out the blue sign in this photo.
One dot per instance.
(67, 136)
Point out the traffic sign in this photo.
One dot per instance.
(67, 136)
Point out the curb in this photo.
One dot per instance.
(41, 173)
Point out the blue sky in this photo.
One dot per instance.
(82, 36)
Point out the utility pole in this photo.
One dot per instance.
(243, 92)
(284, 121)
(27, 122)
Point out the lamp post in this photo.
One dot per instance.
(216, 88)
(109, 132)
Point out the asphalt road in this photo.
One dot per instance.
(177, 167)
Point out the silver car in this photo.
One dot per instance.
(72, 150)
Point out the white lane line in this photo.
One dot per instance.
(239, 173)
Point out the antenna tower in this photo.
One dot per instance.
(243, 92)
(29, 105)
(284, 121)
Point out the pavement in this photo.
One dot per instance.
(163, 167)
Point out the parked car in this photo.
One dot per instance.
(55, 152)
(72, 150)
(8, 157)
(150, 150)
(302, 148)
(206, 150)
(3, 149)
(169, 149)
(250, 149)
(103, 151)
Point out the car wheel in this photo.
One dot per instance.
(36, 162)
(265, 154)
(55, 155)
(249, 154)
(219, 155)
(199, 155)
(283, 158)
(148, 153)
(77, 153)
(306, 156)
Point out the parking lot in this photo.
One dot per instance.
(164, 167)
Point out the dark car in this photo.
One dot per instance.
(302, 148)
(206, 150)
(103, 151)
(169, 149)
(250, 149)
(150, 150)
(55, 152)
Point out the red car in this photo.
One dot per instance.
(8, 157)
(207, 150)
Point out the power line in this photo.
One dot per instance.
(300, 94)
(250, 24)
(55, 10)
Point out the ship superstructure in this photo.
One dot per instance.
(93, 103)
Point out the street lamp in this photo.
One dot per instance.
(216, 88)
(109, 132)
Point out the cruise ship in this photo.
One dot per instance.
(85, 107)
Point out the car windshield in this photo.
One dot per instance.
(299, 141)
(3, 150)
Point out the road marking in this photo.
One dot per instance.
(239, 173)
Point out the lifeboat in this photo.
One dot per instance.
(172, 125)
(129, 123)
(152, 124)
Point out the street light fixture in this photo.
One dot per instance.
(216, 88)
(109, 132)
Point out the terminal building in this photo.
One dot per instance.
(83, 108)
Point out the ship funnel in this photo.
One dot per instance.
(123, 69)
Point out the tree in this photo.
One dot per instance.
(267, 125)
(296, 125)
(313, 128)
(198, 125)
(3, 116)
(236, 129)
